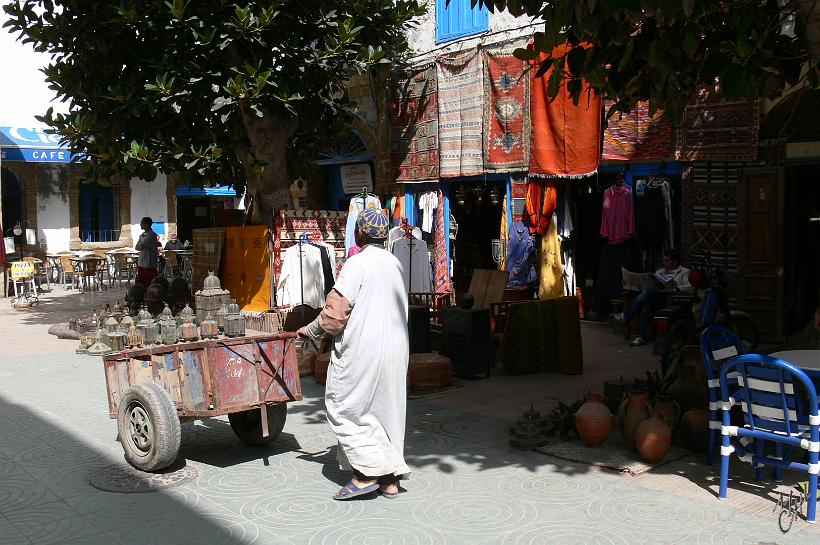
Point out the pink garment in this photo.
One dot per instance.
(353, 251)
(618, 221)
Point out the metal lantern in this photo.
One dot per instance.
(116, 341)
(117, 311)
(167, 327)
(461, 195)
(187, 328)
(234, 322)
(134, 338)
(126, 323)
(208, 328)
(111, 324)
(211, 297)
(149, 328)
(99, 348)
(86, 340)
(495, 195)
(94, 324)
(221, 315)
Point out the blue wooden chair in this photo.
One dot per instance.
(779, 404)
(718, 344)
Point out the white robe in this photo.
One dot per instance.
(366, 390)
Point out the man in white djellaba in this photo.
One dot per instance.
(365, 395)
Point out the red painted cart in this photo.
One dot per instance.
(151, 389)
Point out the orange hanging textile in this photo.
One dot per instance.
(542, 198)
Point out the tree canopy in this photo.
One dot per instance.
(213, 89)
(666, 52)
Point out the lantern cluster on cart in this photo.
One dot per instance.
(211, 298)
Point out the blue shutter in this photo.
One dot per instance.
(459, 19)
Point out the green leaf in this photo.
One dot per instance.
(525, 54)
(627, 56)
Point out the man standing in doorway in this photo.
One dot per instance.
(148, 246)
(366, 395)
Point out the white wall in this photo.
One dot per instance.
(53, 214)
(503, 28)
(148, 199)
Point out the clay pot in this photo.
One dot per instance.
(653, 438)
(593, 420)
(694, 429)
(634, 410)
(306, 360)
(429, 370)
(320, 366)
(668, 409)
(687, 389)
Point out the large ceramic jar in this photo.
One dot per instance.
(653, 438)
(593, 420)
(668, 409)
(686, 388)
(694, 429)
(634, 410)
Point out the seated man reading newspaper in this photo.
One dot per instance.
(671, 277)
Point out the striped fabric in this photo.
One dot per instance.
(637, 135)
(441, 264)
(460, 115)
(718, 130)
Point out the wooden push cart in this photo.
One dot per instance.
(151, 389)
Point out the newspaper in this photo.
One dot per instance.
(647, 281)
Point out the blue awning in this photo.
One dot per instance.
(213, 191)
(32, 145)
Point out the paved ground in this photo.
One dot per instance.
(467, 486)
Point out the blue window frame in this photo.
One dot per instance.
(459, 19)
(98, 213)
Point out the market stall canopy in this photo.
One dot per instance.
(32, 145)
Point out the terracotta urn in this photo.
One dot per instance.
(653, 438)
(634, 410)
(593, 420)
(668, 409)
(694, 429)
(687, 389)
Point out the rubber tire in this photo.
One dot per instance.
(165, 422)
(247, 425)
(746, 329)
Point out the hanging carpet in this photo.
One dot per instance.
(637, 135)
(718, 130)
(566, 138)
(414, 126)
(247, 266)
(461, 81)
(441, 268)
(506, 113)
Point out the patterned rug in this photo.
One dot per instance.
(566, 138)
(328, 225)
(718, 130)
(518, 197)
(506, 113)
(441, 264)
(615, 454)
(414, 126)
(637, 135)
(208, 244)
(461, 80)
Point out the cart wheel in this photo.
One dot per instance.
(247, 425)
(148, 427)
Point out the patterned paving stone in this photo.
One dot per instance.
(571, 533)
(376, 531)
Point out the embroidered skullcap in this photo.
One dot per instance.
(374, 223)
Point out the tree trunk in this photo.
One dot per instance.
(270, 189)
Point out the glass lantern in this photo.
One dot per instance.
(126, 323)
(167, 327)
(134, 338)
(210, 298)
(117, 311)
(187, 328)
(117, 340)
(99, 348)
(149, 328)
(208, 328)
(221, 314)
(234, 322)
(86, 339)
(94, 324)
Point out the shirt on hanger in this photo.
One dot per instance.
(428, 204)
(415, 264)
(302, 280)
(618, 218)
(397, 232)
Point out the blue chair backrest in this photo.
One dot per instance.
(709, 308)
(717, 345)
(776, 396)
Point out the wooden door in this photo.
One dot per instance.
(760, 208)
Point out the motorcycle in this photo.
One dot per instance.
(681, 323)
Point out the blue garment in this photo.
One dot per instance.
(519, 256)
